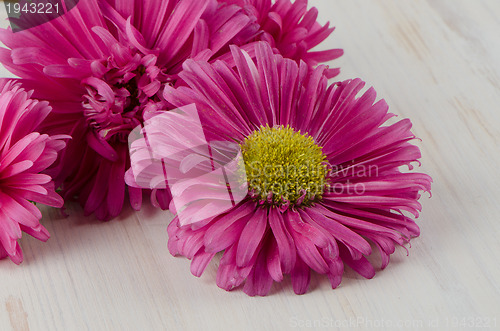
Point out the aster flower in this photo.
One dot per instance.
(101, 66)
(323, 174)
(292, 30)
(24, 155)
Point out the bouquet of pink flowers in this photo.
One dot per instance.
(222, 113)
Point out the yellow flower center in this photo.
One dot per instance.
(284, 166)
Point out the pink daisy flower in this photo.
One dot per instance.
(292, 30)
(24, 155)
(101, 66)
(323, 172)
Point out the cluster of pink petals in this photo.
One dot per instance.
(101, 66)
(262, 244)
(106, 66)
(24, 155)
(292, 30)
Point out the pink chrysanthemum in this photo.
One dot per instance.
(101, 66)
(24, 154)
(292, 29)
(344, 191)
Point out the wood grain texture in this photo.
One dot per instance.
(436, 62)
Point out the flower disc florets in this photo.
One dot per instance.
(284, 166)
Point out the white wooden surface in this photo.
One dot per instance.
(435, 61)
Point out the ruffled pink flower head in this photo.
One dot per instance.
(323, 174)
(292, 30)
(101, 66)
(24, 155)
